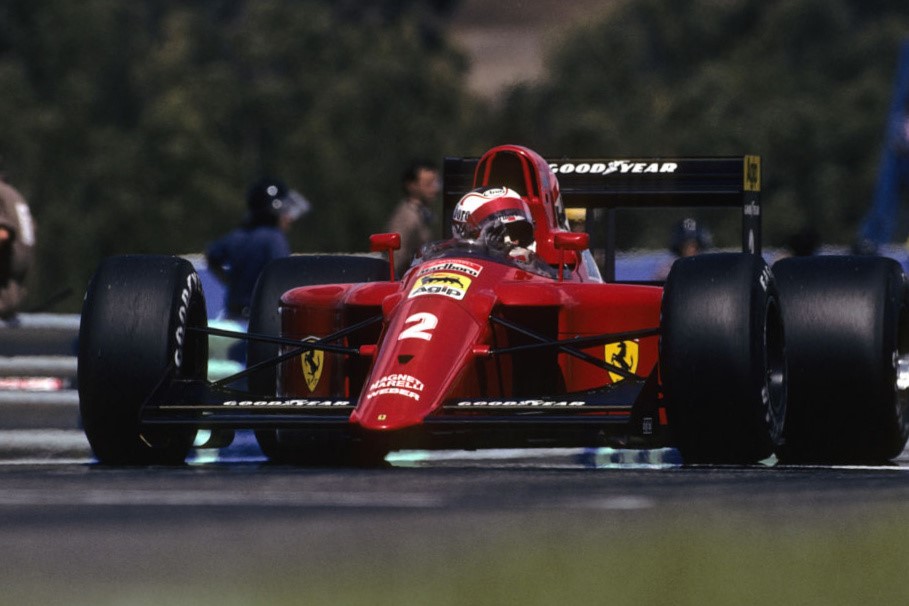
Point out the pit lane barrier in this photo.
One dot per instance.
(39, 403)
(38, 372)
(39, 398)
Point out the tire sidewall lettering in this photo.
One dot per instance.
(191, 287)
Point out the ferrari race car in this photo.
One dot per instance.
(730, 361)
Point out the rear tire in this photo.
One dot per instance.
(847, 330)
(722, 359)
(277, 278)
(133, 336)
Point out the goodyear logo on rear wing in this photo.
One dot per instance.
(441, 283)
(618, 167)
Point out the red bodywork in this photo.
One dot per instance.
(470, 349)
(438, 351)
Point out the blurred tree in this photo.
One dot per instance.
(137, 126)
(803, 83)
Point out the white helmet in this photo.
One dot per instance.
(498, 214)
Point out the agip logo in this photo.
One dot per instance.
(441, 283)
(623, 354)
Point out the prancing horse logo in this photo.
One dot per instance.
(311, 361)
(623, 354)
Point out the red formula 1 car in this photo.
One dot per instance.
(729, 361)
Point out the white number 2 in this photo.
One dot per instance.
(423, 323)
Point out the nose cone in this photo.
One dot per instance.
(393, 401)
(425, 349)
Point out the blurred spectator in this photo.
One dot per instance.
(238, 257)
(17, 242)
(577, 219)
(413, 218)
(688, 238)
(864, 246)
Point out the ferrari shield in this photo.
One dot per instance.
(623, 354)
(311, 360)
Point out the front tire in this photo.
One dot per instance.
(722, 359)
(277, 278)
(133, 336)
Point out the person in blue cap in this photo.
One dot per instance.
(689, 237)
(238, 257)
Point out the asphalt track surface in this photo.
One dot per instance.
(236, 530)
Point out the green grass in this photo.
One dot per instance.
(566, 557)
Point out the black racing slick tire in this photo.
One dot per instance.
(277, 278)
(722, 359)
(134, 336)
(847, 341)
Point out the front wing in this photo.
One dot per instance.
(628, 413)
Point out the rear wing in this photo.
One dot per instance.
(731, 182)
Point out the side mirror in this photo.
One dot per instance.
(386, 243)
(572, 240)
(569, 240)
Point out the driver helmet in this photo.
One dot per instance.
(496, 215)
(269, 198)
